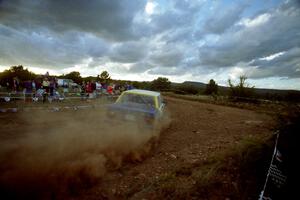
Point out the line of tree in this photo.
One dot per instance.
(16, 72)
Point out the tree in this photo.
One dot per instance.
(242, 89)
(161, 84)
(211, 87)
(104, 77)
(75, 76)
(146, 85)
(16, 72)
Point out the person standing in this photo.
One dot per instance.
(15, 85)
(88, 89)
(82, 92)
(51, 87)
(45, 85)
(33, 91)
(93, 86)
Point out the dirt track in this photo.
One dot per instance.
(196, 131)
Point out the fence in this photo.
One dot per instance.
(24, 101)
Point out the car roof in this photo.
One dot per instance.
(143, 92)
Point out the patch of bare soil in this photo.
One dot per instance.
(128, 168)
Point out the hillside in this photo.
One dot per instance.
(259, 92)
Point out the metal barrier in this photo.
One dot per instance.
(66, 101)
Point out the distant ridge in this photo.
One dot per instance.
(260, 92)
(199, 85)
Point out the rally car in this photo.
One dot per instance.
(143, 107)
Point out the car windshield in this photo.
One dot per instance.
(138, 99)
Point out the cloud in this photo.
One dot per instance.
(109, 19)
(140, 67)
(129, 52)
(219, 23)
(286, 65)
(175, 38)
(260, 19)
(167, 71)
(168, 55)
(47, 49)
(179, 14)
(264, 35)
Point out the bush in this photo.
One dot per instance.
(161, 84)
(241, 90)
(211, 88)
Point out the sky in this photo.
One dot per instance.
(183, 40)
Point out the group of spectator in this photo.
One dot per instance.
(30, 86)
(47, 87)
(92, 88)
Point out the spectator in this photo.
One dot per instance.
(104, 88)
(88, 89)
(98, 87)
(7, 86)
(45, 85)
(117, 89)
(82, 90)
(129, 87)
(51, 87)
(15, 84)
(27, 87)
(93, 86)
(110, 89)
(33, 86)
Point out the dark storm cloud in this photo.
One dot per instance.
(166, 71)
(264, 35)
(287, 65)
(59, 34)
(226, 18)
(129, 52)
(43, 48)
(179, 37)
(108, 18)
(181, 15)
(169, 55)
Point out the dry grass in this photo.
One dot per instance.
(264, 106)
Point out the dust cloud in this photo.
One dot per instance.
(48, 153)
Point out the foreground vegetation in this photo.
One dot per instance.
(258, 105)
